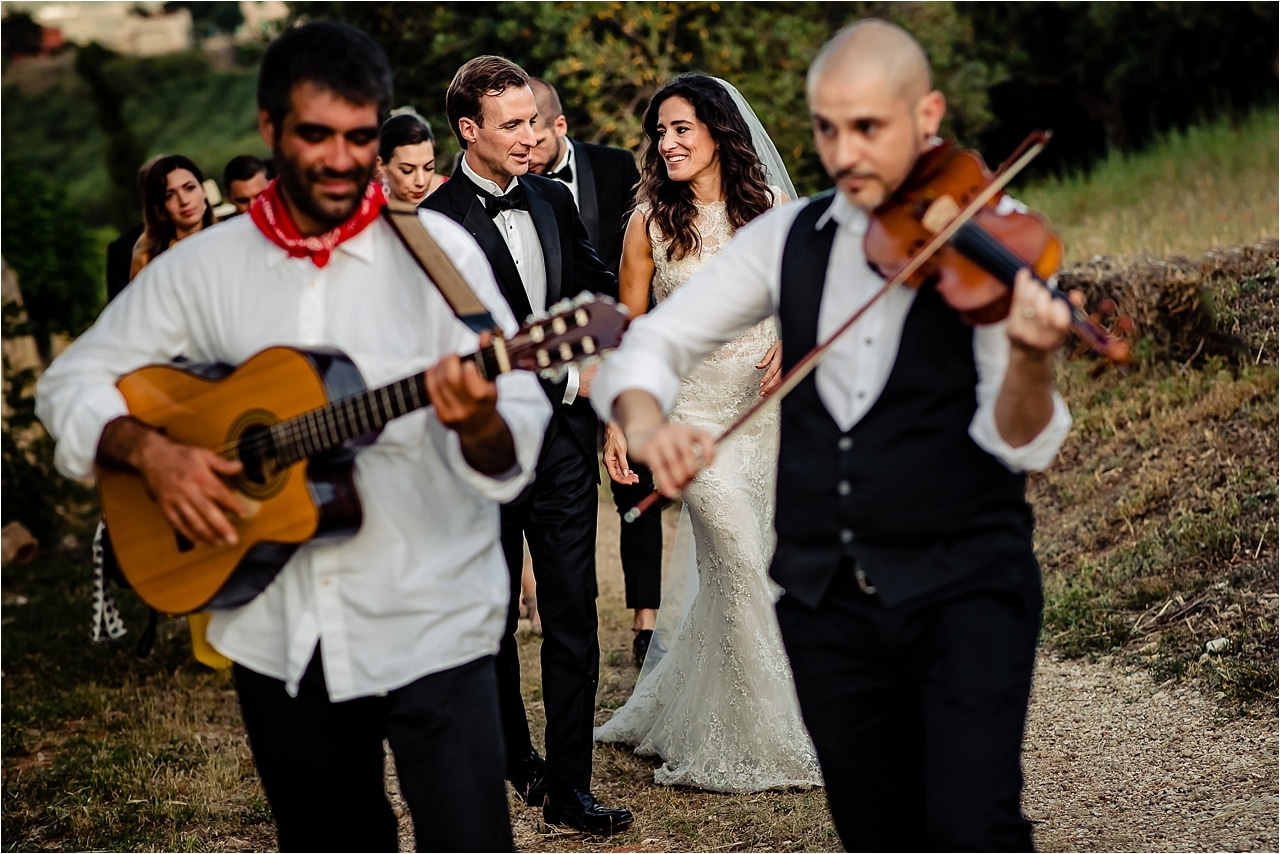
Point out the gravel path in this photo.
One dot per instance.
(1115, 762)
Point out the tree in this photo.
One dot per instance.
(45, 242)
(209, 19)
(608, 59)
(1115, 75)
(122, 153)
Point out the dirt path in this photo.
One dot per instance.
(1113, 762)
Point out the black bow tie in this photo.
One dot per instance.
(512, 201)
(565, 174)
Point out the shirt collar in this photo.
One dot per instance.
(490, 187)
(567, 159)
(847, 216)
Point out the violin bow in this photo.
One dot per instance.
(1025, 153)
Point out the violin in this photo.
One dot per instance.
(973, 270)
(942, 226)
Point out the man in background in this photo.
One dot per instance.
(244, 177)
(603, 182)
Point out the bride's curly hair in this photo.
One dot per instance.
(742, 178)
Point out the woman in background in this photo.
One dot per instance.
(407, 158)
(174, 207)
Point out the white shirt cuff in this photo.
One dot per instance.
(1036, 455)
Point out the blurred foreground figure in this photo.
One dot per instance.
(912, 595)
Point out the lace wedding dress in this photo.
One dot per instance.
(719, 708)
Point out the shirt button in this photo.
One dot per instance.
(844, 487)
(845, 443)
(846, 536)
(868, 341)
(861, 395)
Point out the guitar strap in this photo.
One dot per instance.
(435, 263)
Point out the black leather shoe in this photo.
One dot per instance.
(580, 810)
(529, 778)
(640, 645)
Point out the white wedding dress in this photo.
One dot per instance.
(719, 707)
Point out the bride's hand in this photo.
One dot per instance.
(773, 375)
(615, 456)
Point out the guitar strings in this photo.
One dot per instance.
(325, 426)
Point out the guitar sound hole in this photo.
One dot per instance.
(255, 451)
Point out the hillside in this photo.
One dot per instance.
(1156, 529)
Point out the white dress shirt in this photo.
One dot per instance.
(568, 160)
(740, 286)
(423, 586)
(521, 236)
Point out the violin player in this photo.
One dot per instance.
(912, 595)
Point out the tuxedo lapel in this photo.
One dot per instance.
(469, 210)
(588, 204)
(544, 220)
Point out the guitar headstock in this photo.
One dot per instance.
(575, 331)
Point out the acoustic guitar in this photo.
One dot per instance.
(295, 418)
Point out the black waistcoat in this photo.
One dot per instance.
(906, 493)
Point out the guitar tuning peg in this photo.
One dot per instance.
(584, 298)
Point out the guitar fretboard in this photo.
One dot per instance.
(329, 427)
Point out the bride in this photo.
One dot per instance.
(719, 707)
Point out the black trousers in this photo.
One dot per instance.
(918, 713)
(640, 542)
(557, 515)
(321, 763)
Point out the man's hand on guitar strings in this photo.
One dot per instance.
(186, 482)
(467, 403)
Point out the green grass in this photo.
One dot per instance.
(173, 104)
(1157, 530)
(105, 751)
(1212, 185)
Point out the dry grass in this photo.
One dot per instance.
(1212, 185)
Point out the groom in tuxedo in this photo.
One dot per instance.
(603, 182)
(529, 229)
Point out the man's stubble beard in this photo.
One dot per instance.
(298, 186)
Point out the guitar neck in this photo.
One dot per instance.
(329, 427)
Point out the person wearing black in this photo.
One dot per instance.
(912, 596)
(603, 182)
(120, 250)
(243, 178)
(530, 230)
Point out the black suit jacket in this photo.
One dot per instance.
(572, 267)
(120, 259)
(607, 179)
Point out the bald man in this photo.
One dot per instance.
(912, 597)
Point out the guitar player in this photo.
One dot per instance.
(389, 633)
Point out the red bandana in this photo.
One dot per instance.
(272, 217)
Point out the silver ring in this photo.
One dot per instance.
(1029, 313)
